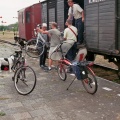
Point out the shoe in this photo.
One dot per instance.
(45, 66)
(47, 69)
(42, 66)
(53, 66)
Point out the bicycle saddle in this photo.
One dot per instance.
(18, 51)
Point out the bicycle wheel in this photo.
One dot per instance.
(15, 67)
(34, 49)
(90, 83)
(61, 72)
(25, 80)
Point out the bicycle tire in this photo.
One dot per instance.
(25, 80)
(90, 83)
(33, 50)
(61, 72)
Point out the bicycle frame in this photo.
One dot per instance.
(18, 59)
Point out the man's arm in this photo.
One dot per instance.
(69, 16)
(82, 16)
(81, 11)
(44, 32)
(65, 35)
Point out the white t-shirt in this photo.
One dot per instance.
(69, 35)
(77, 10)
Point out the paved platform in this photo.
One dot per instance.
(51, 101)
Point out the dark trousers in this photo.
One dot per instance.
(80, 26)
(43, 57)
(72, 52)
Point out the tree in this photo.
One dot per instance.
(11, 27)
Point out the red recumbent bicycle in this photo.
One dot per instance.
(81, 69)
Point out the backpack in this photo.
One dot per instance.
(79, 70)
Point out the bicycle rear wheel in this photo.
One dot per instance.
(25, 80)
(34, 49)
(90, 83)
(61, 72)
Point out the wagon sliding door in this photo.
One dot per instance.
(100, 25)
(118, 24)
(60, 14)
(44, 12)
(51, 11)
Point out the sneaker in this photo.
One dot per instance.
(42, 66)
(47, 68)
(53, 66)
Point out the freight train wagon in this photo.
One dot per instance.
(102, 24)
(28, 19)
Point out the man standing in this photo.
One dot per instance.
(44, 55)
(76, 12)
(54, 35)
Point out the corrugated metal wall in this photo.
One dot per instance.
(100, 25)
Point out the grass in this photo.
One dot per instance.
(8, 35)
(2, 113)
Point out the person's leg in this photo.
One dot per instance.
(41, 56)
(50, 62)
(44, 56)
(70, 54)
(74, 50)
(41, 60)
(80, 26)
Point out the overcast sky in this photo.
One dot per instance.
(9, 8)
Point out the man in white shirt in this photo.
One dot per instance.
(76, 12)
(70, 35)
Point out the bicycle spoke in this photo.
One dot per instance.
(26, 81)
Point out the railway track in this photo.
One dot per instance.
(106, 72)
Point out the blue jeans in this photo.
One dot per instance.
(80, 26)
(72, 52)
(43, 57)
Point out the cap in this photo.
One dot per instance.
(70, 1)
(44, 25)
(38, 25)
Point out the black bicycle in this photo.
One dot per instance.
(24, 76)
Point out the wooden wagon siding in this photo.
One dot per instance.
(100, 25)
(102, 31)
(60, 14)
(44, 12)
(118, 23)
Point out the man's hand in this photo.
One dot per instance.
(82, 19)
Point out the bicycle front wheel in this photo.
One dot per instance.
(61, 72)
(25, 80)
(34, 49)
(90, 83)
